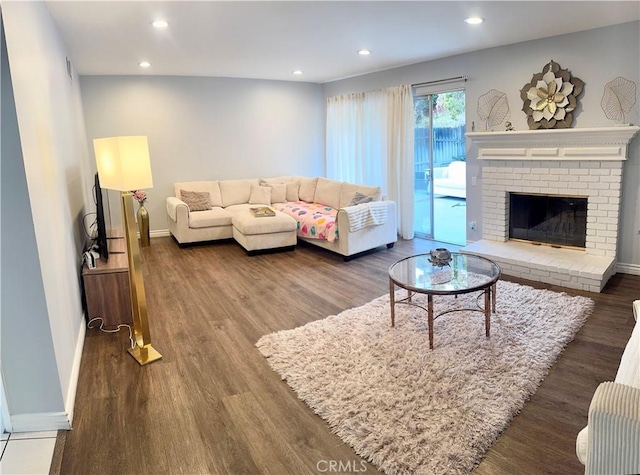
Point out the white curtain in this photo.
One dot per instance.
(370, 142)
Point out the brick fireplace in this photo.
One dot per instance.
(566, 162)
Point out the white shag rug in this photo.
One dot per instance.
(408, 409)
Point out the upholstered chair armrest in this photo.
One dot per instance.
(177, 208)
(614, 430)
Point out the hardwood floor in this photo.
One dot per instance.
(212, 404)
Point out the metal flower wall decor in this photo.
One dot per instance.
(551, 97)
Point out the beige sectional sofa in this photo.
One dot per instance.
(317, 210)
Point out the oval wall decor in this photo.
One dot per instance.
(618, 98)
(493, 109)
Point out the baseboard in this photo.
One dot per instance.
(158, 233)
(42, 421)
(633, 269)
(75, 371)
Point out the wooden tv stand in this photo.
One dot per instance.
(106, 287)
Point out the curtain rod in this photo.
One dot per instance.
(440, 81)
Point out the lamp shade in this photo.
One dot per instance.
(123, 163)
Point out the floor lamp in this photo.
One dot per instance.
(123, 164)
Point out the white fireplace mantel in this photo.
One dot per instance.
(597, 143)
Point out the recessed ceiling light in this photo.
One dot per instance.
(144, 64)
(297, 72)
(364, 52)
(474, 20)
(160, 23)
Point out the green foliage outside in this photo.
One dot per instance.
(448, 110)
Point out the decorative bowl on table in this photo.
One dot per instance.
(440, 257)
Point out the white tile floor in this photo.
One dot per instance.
(26, 452)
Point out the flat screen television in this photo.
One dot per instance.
(101, 231)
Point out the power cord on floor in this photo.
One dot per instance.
(133, 343)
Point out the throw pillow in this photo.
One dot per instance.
(278, 192)
(236, 192)
(307, 191)
(260, 195)
(359, 199)
(196, 200)
(292, 191)
(328, 192)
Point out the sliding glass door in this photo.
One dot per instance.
(440, 166)
(423, 166)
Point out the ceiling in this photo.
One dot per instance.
(269, 40)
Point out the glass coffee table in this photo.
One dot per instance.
(463, 274)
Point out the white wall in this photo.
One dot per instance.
(23, 307)
(208, 129)
(595, 56)
(51, 201)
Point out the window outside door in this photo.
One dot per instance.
(440, 166)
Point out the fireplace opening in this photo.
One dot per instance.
(553, 220)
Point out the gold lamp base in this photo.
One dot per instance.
(144, 354)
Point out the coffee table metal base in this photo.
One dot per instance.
(489, 307)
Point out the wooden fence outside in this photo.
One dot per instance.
(448, 145)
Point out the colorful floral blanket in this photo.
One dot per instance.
(315, 220)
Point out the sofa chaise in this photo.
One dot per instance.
(342, 217)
